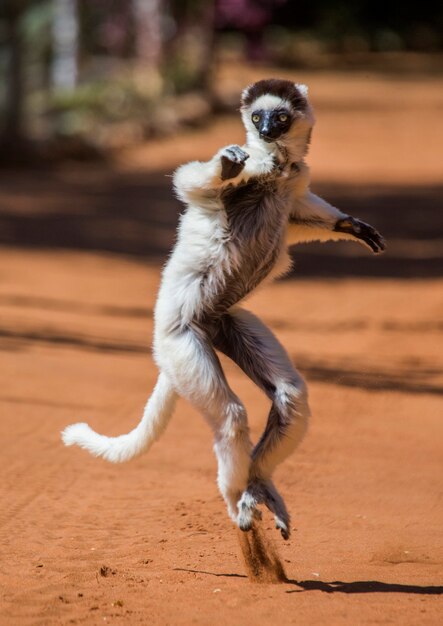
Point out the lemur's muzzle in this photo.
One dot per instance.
(269, 127)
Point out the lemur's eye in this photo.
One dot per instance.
(256, 118)
(283, 117)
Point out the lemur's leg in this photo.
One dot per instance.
(247, 341)
(192, 364)
(314, 219)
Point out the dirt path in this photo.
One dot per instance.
(82, 541)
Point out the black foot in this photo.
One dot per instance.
(233, 160)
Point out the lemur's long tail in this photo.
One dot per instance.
(155, 418)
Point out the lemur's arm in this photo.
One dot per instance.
(199, 182)
(314, 219)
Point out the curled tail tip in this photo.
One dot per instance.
(112, 449)
(75, 433)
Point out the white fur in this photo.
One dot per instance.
(303, 89)
(156, 416)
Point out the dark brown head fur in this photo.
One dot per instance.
(284, 89)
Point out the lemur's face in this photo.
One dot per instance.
(276, 110)
(271, 123)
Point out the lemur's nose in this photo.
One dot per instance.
(265, 124)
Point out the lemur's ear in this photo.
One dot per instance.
(244, 94)
(303, 89)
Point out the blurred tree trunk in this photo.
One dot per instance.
(205, 32)
(148, 25)
(13, 126)
(194, 41)
(65, 31)
(148, 31)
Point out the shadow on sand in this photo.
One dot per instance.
(337, 586)
(416, 378)
(263, 565)
(135, 214)
(363, 586)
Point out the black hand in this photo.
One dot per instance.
(363, 231)
(233, 161)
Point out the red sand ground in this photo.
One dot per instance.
(149, 542)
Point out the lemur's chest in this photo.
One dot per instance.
(256, 214)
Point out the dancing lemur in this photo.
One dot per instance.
(233, 235)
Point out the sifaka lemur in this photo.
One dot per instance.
(233, 235)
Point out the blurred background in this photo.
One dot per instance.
(100, 100)
(118, 69)
(83, 76)
(138, 86)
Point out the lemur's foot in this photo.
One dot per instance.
(263, 492)
(247, 506)
(363, 231)
(233, 160)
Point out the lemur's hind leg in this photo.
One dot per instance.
(247, 341)
(192, 364)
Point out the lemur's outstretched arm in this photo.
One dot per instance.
(314, 219)
(199, 181)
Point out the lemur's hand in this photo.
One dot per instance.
(233, 160)
(363, 231)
